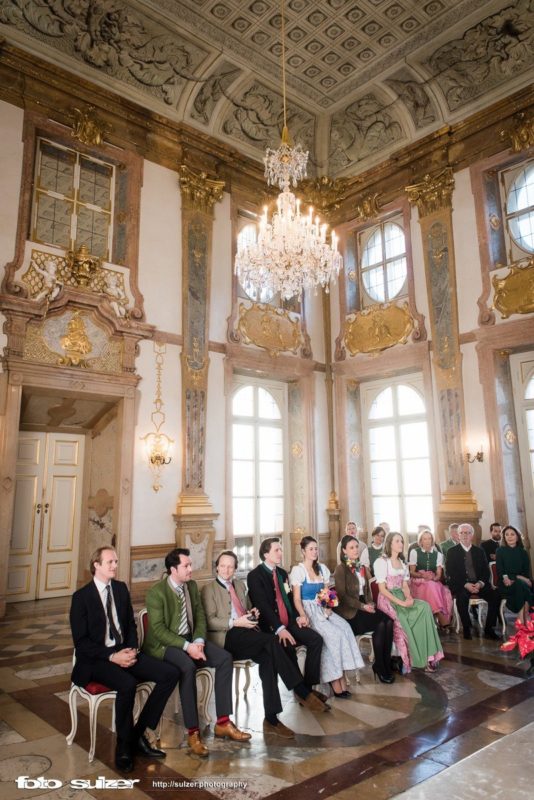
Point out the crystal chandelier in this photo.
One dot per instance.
(291, 252)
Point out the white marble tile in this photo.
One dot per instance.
(502, 770)
(8, 735)
(45, 672)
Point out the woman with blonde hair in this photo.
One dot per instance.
(426, 570)
(414, 629)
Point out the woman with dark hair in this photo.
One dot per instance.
(414, 630)
(374, 551)
(340, 652)
(363, 617)
(514, 573)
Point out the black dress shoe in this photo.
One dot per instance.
(124, 762)
(491, 635)
(467, 635)
(145, 748)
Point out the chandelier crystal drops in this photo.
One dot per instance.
(291, 252)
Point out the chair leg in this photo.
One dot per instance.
(205, 678)
(456, 617)
(237, 673)
(247, 680)
(73, 707)
(93, 713)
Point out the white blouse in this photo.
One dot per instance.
(383, 568)
(298, 575)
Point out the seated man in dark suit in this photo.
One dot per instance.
(491, 545)
(270, 594)
(468, 576)
(232, 625)
(177, 634)
(105, 639)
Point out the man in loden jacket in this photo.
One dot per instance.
(177, 634)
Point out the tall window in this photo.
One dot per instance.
(518, 190)
(73, 200)
(399, 484)
(258, 466)
(522, 368)
(383, 267)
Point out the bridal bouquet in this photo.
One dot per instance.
(327, 598)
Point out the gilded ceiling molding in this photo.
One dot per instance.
(273, 329)
(433, 194)
(88, 127)
(369, 207)
(521, 133)
(514, 293)
(199, 192)
(378, 327)
(324, 194)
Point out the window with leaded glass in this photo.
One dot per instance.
(73, 200)
(383, 265)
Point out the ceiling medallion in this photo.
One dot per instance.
(290, 253)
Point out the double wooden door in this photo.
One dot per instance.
(46, 523)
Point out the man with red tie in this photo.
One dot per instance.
(233, 624)
(270, 593)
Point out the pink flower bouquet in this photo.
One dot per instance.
(327, 598)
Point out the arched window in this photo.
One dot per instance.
(518, 186)
(529, 414)
(399, 487)
(258, 466)
(383, 266)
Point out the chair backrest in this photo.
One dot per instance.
(142, 626)
(493, 574)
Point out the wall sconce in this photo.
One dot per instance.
(157, 444)
(479, 456)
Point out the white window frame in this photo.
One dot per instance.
(506, 178)
(369, 391)
(278, 390)
(363, 238)
(522, 369)
(76, 202)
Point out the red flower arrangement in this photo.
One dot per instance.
(327, 598)
(523, 640)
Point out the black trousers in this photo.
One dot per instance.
(381, 627)
(124, 682)
(216, 657)
(314, 646)
(273, 659)
(486, 593)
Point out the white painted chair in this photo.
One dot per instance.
(474, 601)
(242, 665)
(95, 694)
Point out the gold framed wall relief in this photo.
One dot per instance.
(273, 329)
(514, 293)
(378, 327)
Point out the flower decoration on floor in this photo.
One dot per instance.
(523, 640)
(327, 598)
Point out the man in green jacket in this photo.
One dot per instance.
(177, 634)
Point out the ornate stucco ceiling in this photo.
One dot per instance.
(364, 78)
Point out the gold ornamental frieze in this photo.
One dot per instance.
(514, 293)
(273, 329)
(198, 191)
(433, 193)
(377, 328)
(73, 339)
(324, 194)
(369, 207)
(521, 134)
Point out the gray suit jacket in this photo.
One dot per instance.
(218, 607)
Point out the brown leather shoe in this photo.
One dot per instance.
(229, 731)
(196, 745)
(320, 695)
(278, 730)
(312, 703)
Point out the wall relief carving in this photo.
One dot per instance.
(514, 293)
(273, 329)
(376, 328)
(488, 54)
(414, 96)
(212, 90)
(72, 339)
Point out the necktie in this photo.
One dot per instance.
(282, 610)
(183, 626)
(236, 602)
(113, 632)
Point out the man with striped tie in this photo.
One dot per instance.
(177, 634)
(105, 640)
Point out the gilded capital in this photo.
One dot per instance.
(433, 193)
(198, 191)
(324, 194)
(521, 133)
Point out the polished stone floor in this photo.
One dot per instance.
(426, 732)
